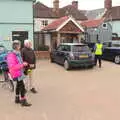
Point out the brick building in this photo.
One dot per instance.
(44, 16)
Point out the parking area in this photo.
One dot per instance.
(80, 94)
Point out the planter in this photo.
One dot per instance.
(42, 54)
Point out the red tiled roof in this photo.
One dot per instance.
(55, 24)
(92, 23)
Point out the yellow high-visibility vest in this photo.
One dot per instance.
(99, 47)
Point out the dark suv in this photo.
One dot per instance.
(111, 51)
(73, 55)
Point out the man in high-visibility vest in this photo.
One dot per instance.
(98, 53)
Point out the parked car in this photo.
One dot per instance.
(111, 51)
(72, 55)
(3, 52)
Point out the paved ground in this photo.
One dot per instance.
(92, 94)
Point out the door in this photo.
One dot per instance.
(107, 53)
(62, 52)
(21, 36)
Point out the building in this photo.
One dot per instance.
(99, 26)
(63, 30)
(16, 21)
(113, 17)
(44, 16)
(97, 30)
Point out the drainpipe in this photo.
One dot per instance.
(33, 24)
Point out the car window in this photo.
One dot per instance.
(59, 48)
(64, 48)
(107, 44)
(115, 45)
(80, 48)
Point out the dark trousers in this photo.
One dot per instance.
(98, 58)
(20, 88)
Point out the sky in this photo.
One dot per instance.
(83, 4)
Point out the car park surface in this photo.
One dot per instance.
(81, 94)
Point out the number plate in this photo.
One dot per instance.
(83, 56)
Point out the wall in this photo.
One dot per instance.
(18, 16)
(6, 32)
(103, 34)
(16, 11)
(116, 27)
(38, 23)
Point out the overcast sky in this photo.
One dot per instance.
(83, 4)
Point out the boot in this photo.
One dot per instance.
(17, 100)
(25, 103)
(99, 65)
(33, 90)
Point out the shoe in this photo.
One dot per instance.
(25, 91)
(24, 103)
(33, 90)
(17, 100)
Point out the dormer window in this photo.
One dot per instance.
(104, 25)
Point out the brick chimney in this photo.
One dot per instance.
(56, 6)
(108, 4)
(75, 4)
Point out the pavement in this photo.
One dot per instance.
(80, 94)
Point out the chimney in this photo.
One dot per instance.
(56, 5)
(75, 4)
(108, 4)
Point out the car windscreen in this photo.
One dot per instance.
(80, 48)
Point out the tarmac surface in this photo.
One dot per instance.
(80, 94)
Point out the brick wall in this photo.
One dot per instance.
(42, 54)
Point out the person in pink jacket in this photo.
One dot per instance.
(16, 66)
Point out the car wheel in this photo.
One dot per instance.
(117, 59)
(66, 65)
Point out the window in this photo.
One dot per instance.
(104, 25)
(64, 48)
(44, 22)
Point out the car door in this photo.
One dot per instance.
(59, 53)
(106, 50)
(64, 53)
(107, 53)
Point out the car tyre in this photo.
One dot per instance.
(66, 65)
(117, 59)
